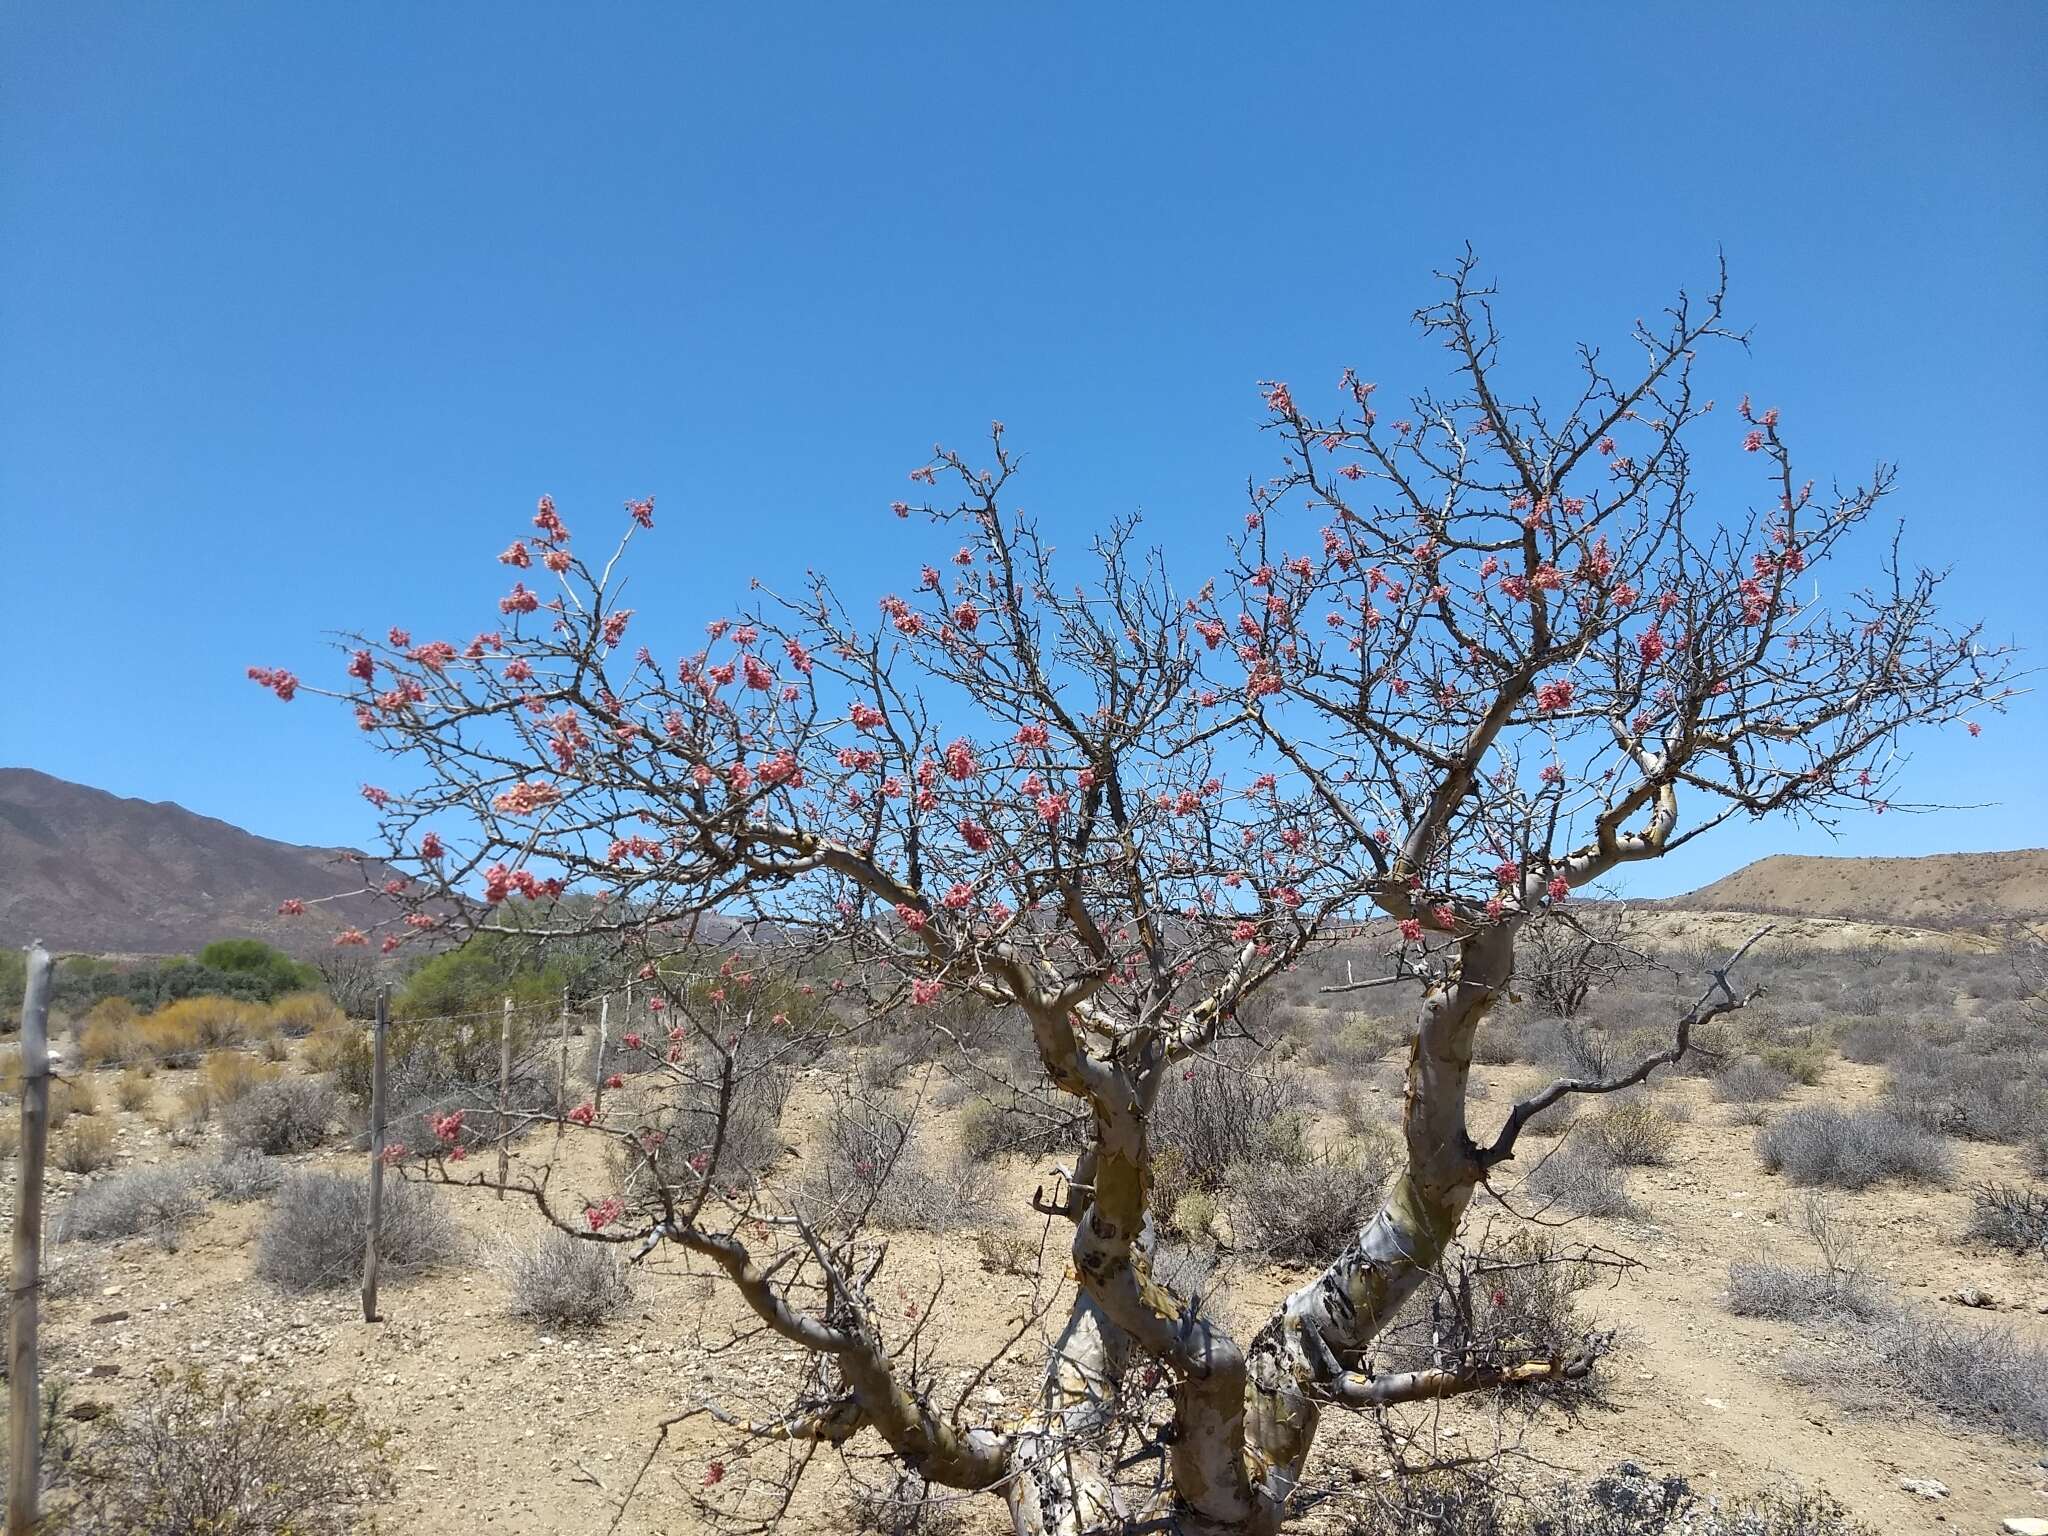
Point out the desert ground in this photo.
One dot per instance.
(502, 1423)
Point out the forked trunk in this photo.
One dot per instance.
(1322, 1331)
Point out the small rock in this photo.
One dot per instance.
(1926, 1487)
(104, 1370)
(110, 1317)
(1971, 1296)
(85, 1411)
(2024, 1525)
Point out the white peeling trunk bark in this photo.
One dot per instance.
(1057, 1486)
(1329, 1325)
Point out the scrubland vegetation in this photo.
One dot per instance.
(1261, 1159)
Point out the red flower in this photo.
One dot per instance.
(292, 907)
(1411, 929)
(582, 1114)
(277, 680)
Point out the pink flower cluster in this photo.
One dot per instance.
(277, 680)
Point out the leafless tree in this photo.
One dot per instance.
(1507, 656)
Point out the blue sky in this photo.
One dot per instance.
(304, 305)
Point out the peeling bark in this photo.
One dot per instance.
(1324, 1331)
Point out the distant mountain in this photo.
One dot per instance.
(84, 870)
(1941, 890)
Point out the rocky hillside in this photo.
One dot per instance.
(1942, 890)
(84, 870)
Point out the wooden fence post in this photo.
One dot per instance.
(376, 1156)
(504, 1096)
(24, 1440)
(562, 1067)
(604, 1019)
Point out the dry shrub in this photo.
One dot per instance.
(1750, 1084)
(1978, 1092)
(1305, 1211)
(191, 1110)
(240, 1176)
(1632, 1134)
(1017, 1124)
(1820, 1145)
(1982, 1374)
(1839, 1287)
(559, 1281)
(871, 1164)
(1005, 1253)
(685, 1133)
(206, 1454)
(230, 1075)
(10, 1134)
(73, 1096)
(1480, 1500)
(1557, 1119)
(1767, 1287)
(1357, 1043)
(290, 1114)
(318, 1225)
(305, 1013)
(153, 1201)
(908, 1506)
(1580, 1178)
(86, 1147)
(2011, 1217)
(134, 1091)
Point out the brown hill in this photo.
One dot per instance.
(1942, 890)
(84, 870)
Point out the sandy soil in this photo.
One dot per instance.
(499, 1426)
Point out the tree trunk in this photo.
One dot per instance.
(1329, 1325)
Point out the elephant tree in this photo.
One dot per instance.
(1512, 657)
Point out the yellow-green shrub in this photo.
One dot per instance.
(216, 1021)
(229, 1074)
(327, 1049)
(134, 1089)
(86, 1147)
(172, 1037)
(103, 1042)
(305, 1013)
(81, 1095)
(1806, 1063)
